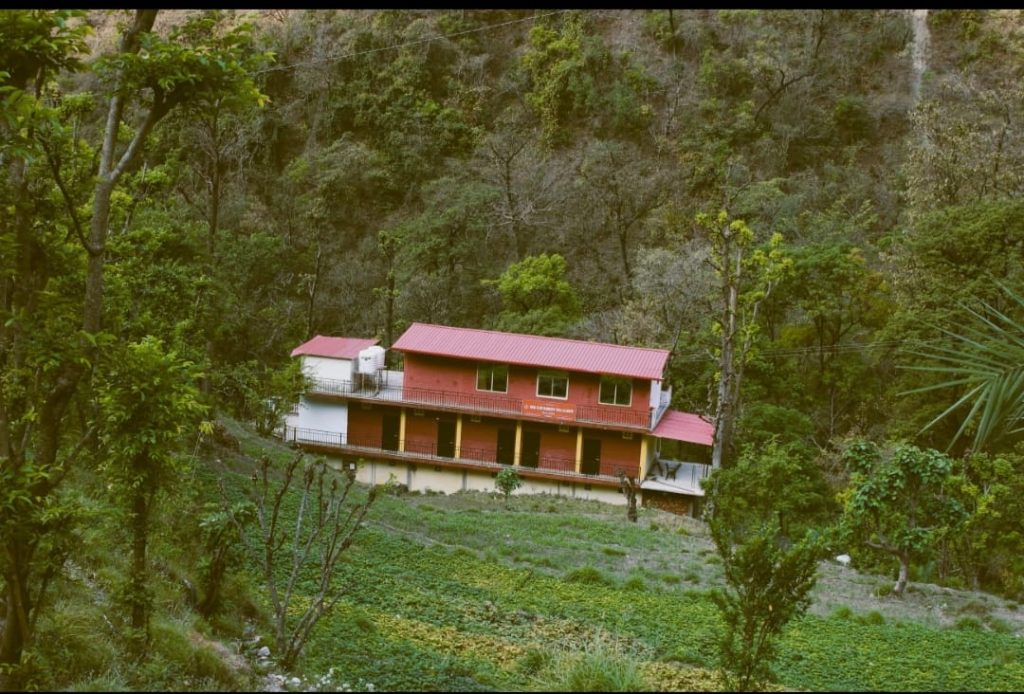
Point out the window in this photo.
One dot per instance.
(492, 377)
(553, 384)
(616, 391)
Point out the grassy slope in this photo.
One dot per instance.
(460, 593)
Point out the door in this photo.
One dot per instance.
(445, 439)
(591, 463)
(389, 435)
(506, 446)
(529, 456)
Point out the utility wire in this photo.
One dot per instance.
(801, 351)
(343, 56)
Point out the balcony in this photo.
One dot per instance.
(388, 387)
(555, 467)
(676, 477)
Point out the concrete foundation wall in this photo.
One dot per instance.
(424, 477)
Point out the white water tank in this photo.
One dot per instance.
(371, 360)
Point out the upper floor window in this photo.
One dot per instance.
(553, 384)
(492, 377)
(616, 391)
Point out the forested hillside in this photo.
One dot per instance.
(819, 213)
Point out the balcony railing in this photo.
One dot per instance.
(486, 459)
(478, 403)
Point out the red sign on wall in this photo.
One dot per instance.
(562, 411)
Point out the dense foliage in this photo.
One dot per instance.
(818, 213)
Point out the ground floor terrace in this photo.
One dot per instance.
(432, 450)
(538, 449)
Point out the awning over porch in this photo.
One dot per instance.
(684, 426)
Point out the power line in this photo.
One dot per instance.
(343, 56)
(802, 351)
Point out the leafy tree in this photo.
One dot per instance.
(37, 359)
(773, 483)
(507, 482)
(536, 298)
(746, 275)
(768, 585)
(898, 501)
(988, 549)
(222, 543)
(147, 400)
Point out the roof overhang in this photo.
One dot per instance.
(685, 426)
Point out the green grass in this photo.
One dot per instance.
(480, 598)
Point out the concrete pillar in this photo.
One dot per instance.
(579, 449)
(519, 442)
(401, 431)
(643, 458)
(458, 436)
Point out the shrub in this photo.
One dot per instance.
(999, 626)
(587, 575)
(599, 668)
(968, 623)
(507, 482)
(842, 612)
(874, 617)
(613, 552)
(635, 583)
(975, 607)
(671, 579)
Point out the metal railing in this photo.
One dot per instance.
(418, 449)
(482, 403)
(679, 472)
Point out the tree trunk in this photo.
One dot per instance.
(138, 600)
(16, 632)
(901, 582)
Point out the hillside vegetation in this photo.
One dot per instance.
(818, 212)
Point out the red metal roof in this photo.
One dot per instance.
(334, 347)
(533, 350)
(683, 426)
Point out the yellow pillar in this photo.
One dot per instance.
(643, 457)
(458, 437)
(401, 431)
(579, 449)
(519, 443)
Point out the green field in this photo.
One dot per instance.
(459, 592)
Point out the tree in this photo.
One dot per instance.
(507, 482)
(629, 487)
(746, 276)
(776, 483)
(144, 79)
(768, 585)
(36, 358)
(325, 527)
(536, 298)
(147, 400)
(898, 501)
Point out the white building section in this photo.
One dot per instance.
(326, 367)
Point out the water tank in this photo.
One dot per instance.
(371, 360)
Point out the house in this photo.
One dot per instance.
(568, 415)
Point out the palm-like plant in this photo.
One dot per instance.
(987, 360)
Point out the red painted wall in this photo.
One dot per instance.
(439, 373)
(557, 448)
(420, 431)
(480, 439)
(617, 452)
(365, 427)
